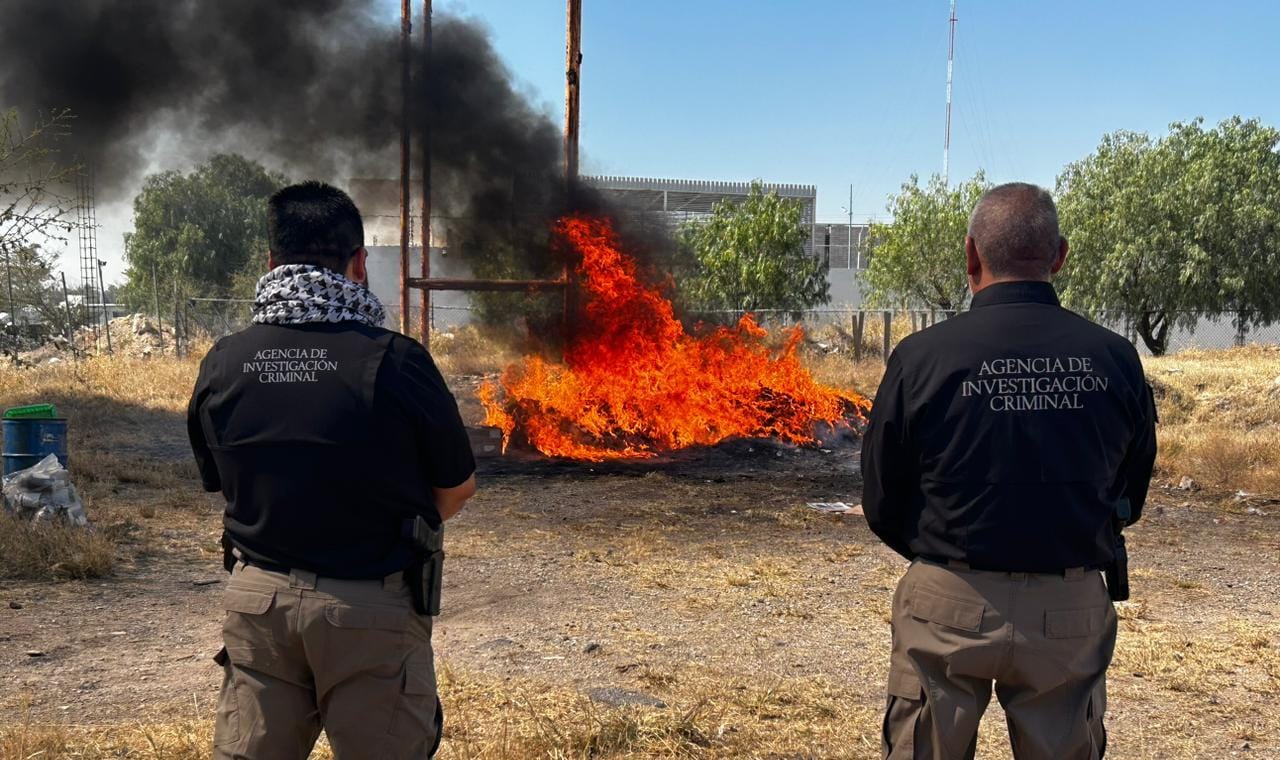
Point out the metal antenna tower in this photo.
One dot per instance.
(90, 287)
(951, 57)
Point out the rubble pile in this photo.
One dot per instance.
(135, 335)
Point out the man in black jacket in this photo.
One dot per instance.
(338, 448)
(1004, 446)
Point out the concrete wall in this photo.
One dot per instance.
(449, 307)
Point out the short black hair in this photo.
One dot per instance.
(1015, 229)
(313, 223)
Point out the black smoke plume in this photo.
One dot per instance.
(309, 86)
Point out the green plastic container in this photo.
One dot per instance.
(32, 412)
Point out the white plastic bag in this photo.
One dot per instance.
(44, 492)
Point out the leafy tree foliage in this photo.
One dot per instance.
(28, 291)
(917, 260)
(751, 256)
(205, 231)
(1163, 229)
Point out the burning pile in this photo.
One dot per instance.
(634, 382)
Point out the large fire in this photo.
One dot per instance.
(634, 382)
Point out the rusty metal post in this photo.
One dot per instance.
(406, 27)
(572, 90)
(859, 328)
(424, 328)
(888, 335)
(572, 108)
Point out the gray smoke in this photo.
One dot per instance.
(310, 86)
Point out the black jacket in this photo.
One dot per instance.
(324, 438)
(1007, 437)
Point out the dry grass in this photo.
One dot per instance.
(705, 716)
(49, 551)
(113, 404)
(1180, 689)
(91, 385)
(708, 714)
(1220, 417)
(472, 350)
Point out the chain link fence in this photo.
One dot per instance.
(865, 329)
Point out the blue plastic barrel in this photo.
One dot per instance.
(26, 442)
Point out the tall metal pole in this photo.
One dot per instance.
(951, 57)
(849, 231)
(66, 302)
(406, 27)
(423, 89)
(573, 76)
(572, 107)
(106, 316)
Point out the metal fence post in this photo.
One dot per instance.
(888, 338)
(177, 321)
(66, 302)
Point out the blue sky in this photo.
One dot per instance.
(832, 93)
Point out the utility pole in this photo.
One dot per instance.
(951, 57)
(424, 86)
(406, 50)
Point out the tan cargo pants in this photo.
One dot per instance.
(305, 653)
(1044, 640)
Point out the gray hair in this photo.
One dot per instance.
(1015, 229)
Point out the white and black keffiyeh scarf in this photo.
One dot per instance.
(298, 294)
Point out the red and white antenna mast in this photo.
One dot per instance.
(951, 58)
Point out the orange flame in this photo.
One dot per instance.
(634, 382)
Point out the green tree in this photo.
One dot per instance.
(199, 234)
(751, 256)
(918, 259)
(28, 291)
(1164, 230)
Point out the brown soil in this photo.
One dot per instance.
(629, 581)
(578, 597)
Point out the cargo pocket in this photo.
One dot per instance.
(246, 627)
(902, 713)
(418, 715)
(951, 613)
(226, 727)
(1097, 727)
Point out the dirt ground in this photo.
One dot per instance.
(686, 607)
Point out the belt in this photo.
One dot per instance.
(955, 564)
(270, 567)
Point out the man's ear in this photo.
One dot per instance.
(1062, 257)
(973, 264)
(271, 261)
(357, 271)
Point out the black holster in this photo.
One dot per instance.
(426, 574)
(1117, 572)
(228, 553)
